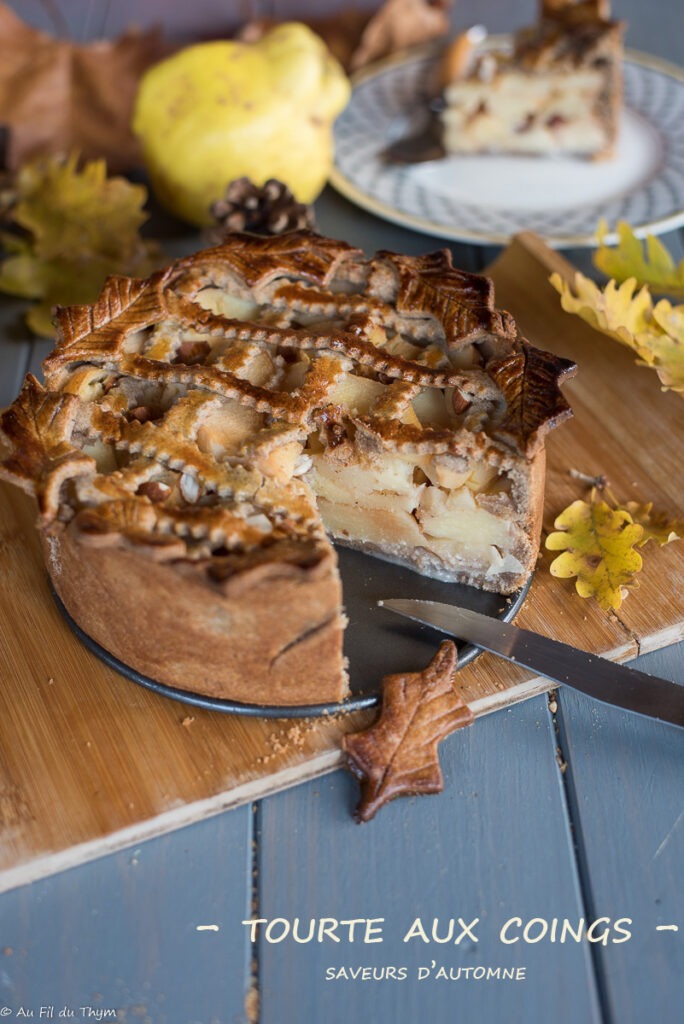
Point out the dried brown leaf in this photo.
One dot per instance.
(398, 25)
(57, 96)
(103, 322)
(397, 755)
(356, 38)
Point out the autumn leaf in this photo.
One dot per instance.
(398, 25)
(598, 539)
(615, 310)
(357, 37)
(397, 755)
(657, 526)
(666, 352)
(57, 95)
(654, 333)
(648, 261)
(598, 548)
(69, 229)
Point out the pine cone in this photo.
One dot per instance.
(270, 209)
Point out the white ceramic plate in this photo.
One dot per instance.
(486, 199)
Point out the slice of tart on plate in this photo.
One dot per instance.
(556, 89)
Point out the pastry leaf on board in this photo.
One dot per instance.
(397, 755)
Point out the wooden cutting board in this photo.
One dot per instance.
(90, 763)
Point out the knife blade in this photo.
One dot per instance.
(597, 677)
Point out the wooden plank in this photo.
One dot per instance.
(122, 933)
(493, 846)
(135, 765)
(625, 781)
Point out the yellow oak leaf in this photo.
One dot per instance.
(69, 228)
(666, 351)
(648, 261)
(615, 310)
(598, 548)
(654, 333)
(657, 526)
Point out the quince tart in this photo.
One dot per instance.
(557, 90)
(202, 433)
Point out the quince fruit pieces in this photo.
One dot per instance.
(217, 111)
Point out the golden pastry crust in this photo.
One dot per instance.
(198, 431)
(270, 635)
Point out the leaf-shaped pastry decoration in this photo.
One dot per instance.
(258, 260)
(654, 333)
(129, 520)
(528, 379)
(57, 95)
(38, 425)
(397, 755)
(598, 547)
(463, 303)
(125, 304)
(648, 261)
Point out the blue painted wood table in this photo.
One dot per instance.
(552, 815)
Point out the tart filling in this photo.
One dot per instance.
(556, 90)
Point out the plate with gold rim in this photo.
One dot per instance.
(487, 199)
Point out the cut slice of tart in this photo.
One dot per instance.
(200, 435)
(556, 90)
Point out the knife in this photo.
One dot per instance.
(599, 678)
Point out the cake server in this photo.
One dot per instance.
(599, 678)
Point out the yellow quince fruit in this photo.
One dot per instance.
(222, 110)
